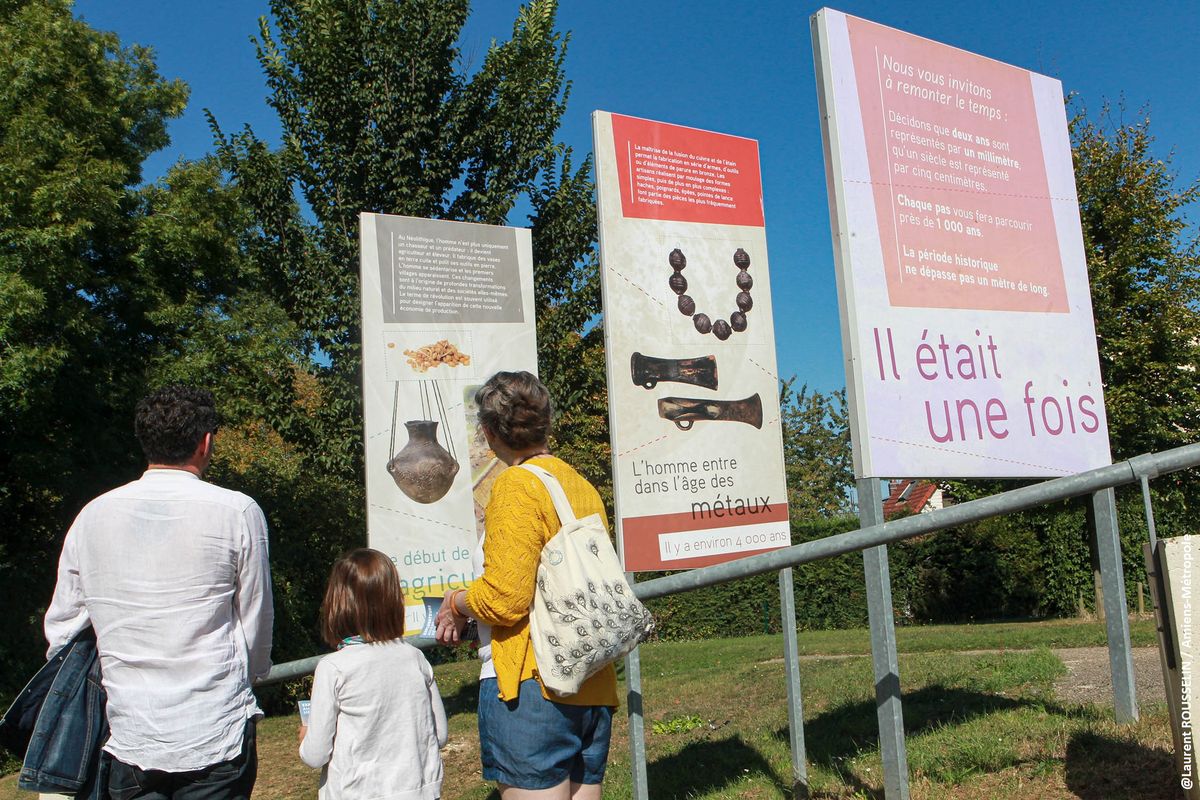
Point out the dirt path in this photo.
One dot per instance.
(1089, 679)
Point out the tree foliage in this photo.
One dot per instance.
(77, 116)
(816, 449)
(567, 303)
(1144, 266)
(106, 287)
(379, 114)
(1144, 269)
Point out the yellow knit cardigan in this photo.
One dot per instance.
(520, 520)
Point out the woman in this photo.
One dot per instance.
(533, 745)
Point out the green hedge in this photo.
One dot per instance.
(1030, 565)
(829, 594)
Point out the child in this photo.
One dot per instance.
(376, 720)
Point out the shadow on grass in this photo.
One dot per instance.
(1107, 768)
(707, 766)
(464, 701)
(845, 731)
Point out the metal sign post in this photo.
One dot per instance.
(1102, 520)
(883, 648)
(637, 726)
(791, 657)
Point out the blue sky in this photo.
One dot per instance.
(739, 68)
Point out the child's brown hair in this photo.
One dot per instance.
(363, 598)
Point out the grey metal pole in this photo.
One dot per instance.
(1150, 527)
(883, 647)
(637, 727)
(291, 670)
(791, 659)
(1103, 521)
(1119, 474)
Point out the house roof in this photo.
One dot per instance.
(908, 497)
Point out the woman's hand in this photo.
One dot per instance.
(450, 623)
(303, 732)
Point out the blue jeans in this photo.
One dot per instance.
(227, 780)
(535, 743)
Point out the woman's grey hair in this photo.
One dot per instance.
(515, 406)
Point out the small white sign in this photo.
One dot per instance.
(723, 541)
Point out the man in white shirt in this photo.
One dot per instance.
(172, 573)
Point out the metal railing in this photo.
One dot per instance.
(1097, 482)
(1012, 501)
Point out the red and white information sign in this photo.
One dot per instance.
(694, 176)
(693, 393)
(966, 313)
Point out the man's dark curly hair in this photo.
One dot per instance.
(170, 422)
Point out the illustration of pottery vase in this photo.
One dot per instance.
(423, 469)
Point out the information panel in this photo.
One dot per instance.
(445, 305)
(966, 314)
(693, 392)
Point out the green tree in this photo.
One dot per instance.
(570, 337)
(106, 287)
(816, 450)
(1144, 269)
(379, 114)
(78, 114)
(1144, 266)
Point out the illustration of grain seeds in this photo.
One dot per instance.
(433, 355)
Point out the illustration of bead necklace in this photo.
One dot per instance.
(687, 306)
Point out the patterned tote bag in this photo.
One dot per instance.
(584, 613)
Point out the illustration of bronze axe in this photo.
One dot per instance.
(648, 370)
(684, 411)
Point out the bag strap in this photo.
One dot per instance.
(562, 506)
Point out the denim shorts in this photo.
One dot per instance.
(535, 743)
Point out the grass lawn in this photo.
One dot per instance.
(979, 724)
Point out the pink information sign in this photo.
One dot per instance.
(966, 312)
(958, 174)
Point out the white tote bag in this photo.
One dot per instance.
(584, 613)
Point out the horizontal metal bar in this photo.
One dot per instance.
(897, 530)
(1119, 474)
(292, 670)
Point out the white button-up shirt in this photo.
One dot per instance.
(172, 573)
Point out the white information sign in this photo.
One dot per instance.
(693, 393)
(966, 314)
(444, 306)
